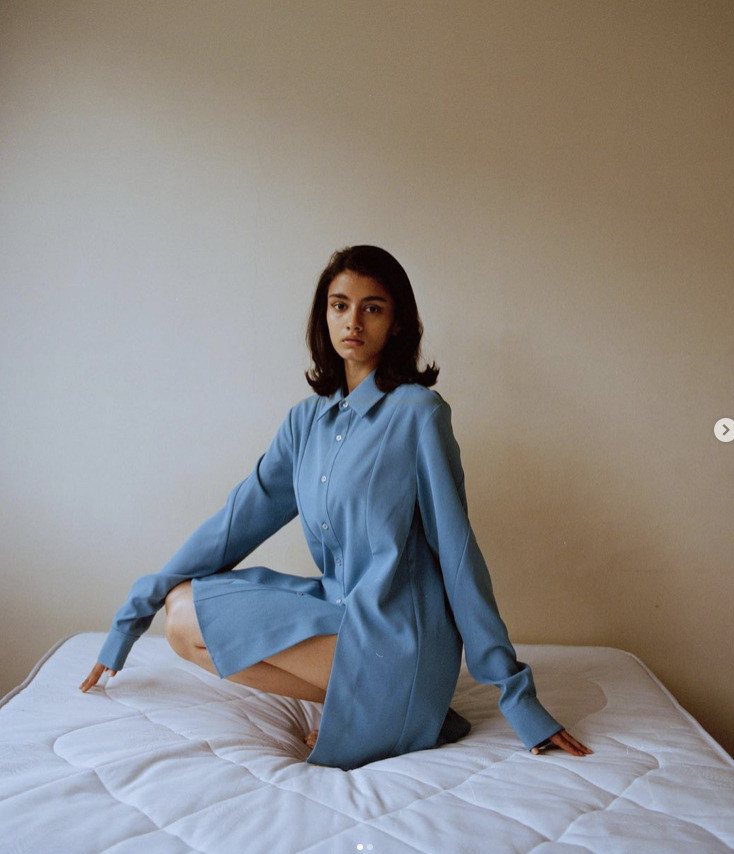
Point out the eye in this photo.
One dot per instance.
(373, 309)
(338, 306)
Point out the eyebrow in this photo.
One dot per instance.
(364, 299)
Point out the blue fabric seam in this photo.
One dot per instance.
(372, 475)
(229, 523)
(415, 669)
(461, 564)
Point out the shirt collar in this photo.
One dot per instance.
(361, 399)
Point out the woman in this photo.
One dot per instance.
(371, 465)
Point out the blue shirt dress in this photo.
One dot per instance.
(377, 481)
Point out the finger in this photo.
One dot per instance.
(96, 673)
(578, 745)
(561, 740)
(585, 751)
(92, 679)
(567, 742)
(564, 741)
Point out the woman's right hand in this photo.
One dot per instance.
(94, 676)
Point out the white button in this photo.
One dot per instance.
(724, 429)
(325, 526)
(345, 404)
(323, 478)
(339, 602)
(339, 438)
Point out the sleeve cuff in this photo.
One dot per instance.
(531, 722)
(116, 649)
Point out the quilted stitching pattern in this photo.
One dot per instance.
(169, 759)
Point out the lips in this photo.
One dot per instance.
(352, 342)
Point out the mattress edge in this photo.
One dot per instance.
(698, 726)
(702, 731)
(36, 667)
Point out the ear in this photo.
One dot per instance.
(395, 330)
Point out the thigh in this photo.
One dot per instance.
(310, 660)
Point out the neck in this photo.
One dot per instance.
(354, 374)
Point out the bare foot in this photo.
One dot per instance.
(310, 739)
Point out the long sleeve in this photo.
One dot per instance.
(489, 654)
(255, 509)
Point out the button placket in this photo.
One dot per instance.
(328, 465)
(329, 539)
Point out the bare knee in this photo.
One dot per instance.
(178, 596)
(182, 628)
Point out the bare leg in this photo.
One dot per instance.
(302, 671)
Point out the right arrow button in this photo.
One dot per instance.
(724, 429)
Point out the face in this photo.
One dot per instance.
(360, 314)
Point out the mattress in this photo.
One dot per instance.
(167, 758)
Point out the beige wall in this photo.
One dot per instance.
(557, 177)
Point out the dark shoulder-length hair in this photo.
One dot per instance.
(401, 356)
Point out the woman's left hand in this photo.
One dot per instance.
(566, 742)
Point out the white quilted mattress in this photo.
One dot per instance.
(169, 759)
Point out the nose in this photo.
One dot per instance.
(353, 321)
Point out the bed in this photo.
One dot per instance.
(166, 758)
